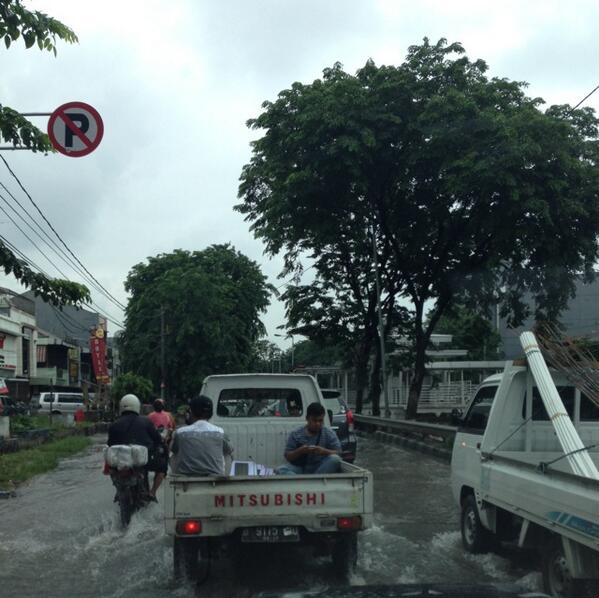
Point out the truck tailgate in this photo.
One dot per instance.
(310, 501)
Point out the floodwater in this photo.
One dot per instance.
(60, 538)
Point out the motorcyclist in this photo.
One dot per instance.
(133, 428)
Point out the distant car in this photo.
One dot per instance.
(60, 402)
(342, 422)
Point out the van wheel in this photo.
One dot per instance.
(475, 537)
(56, 413)
(345, 555)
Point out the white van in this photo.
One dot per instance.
(60, 402)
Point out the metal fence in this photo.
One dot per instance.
(441, 397)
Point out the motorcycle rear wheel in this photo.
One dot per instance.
(125, 506)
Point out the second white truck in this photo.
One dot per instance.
(513, 482)
(209, 516)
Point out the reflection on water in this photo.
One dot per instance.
(61, 537)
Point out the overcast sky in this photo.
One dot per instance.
(175, 82)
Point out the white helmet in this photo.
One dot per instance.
(130, 403)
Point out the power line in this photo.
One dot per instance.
(29, 262)
(35, 266)
(54, 247)
(56, 233)
(585, 98)
(31, 240)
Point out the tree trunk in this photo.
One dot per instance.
(419, 370)
(361, 365)
(375, 382)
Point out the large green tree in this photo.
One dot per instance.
(210, 302)
(34, 28)
(475, 192)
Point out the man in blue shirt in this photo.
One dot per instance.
(313, 448)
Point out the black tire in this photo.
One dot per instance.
(125, 506)
(476, 538)
(345, 555)
(557, 580)
(191, 560)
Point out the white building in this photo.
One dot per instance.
(18, 340)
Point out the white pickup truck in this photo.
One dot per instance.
(209, 516)
(513, 483)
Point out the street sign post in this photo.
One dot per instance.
(75, 129)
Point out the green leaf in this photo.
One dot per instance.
(7, 41)
(29, 38)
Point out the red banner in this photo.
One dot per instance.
(97, 347)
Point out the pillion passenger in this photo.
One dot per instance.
(199, 449)
(313, 448)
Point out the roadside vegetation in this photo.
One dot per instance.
(23, 465)
(20, 424)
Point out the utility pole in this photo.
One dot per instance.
(162, 373)
(381, 326)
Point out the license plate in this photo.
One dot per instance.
(270, 534)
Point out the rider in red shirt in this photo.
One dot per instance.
(165, 424)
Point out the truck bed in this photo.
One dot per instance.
(557, 499)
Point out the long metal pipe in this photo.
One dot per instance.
(580, 462)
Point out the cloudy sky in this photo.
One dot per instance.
(175, 82)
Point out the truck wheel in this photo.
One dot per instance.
(475, 537)
(187, 563)
(557, 580)
(345, 555)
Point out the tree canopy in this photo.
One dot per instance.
(470, 331)
(211, 302)
(34, 28)
(130, 383)
(475, 194)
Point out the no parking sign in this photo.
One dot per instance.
(75, 129)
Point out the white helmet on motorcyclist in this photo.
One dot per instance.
(130, 403)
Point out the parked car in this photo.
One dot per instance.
(342, 422)
(60, 402)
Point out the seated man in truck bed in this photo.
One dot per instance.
(313, 448)
(200, 448)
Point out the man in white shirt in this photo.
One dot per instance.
(199, 449)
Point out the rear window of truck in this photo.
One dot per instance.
(259, 402)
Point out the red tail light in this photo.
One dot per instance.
(349, 417)
(189, 527)
(349, 523)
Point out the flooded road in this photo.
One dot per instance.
(61, 538)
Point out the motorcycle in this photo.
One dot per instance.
(132, 491)
(126, 465)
